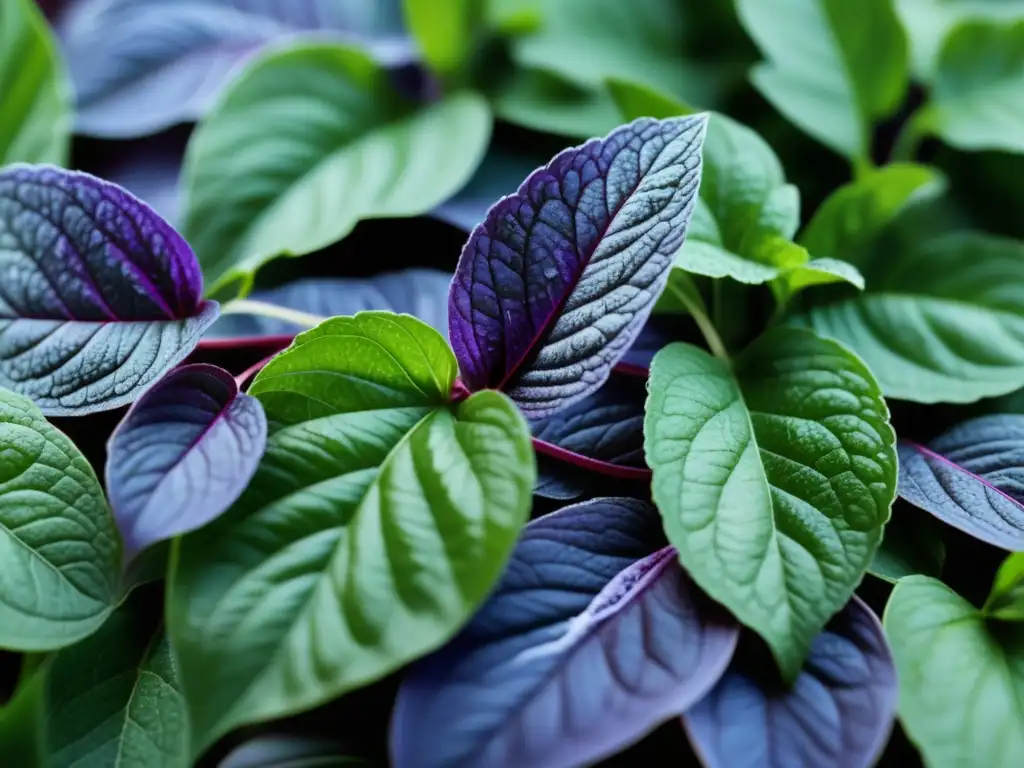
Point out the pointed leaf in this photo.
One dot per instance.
(379, 518)
(552, 289)
(961, 678)
(369, 153)
(971, 478)
(589, 642)
(816, 272)
(59, 552)
(774, 478)
(839, 711)
(99, 296)
(1006, 601)
(183, 454)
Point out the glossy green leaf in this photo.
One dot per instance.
(377, 521)
(817, 272)
(961, 678)
(359, 151)
(35, 95)
(444, 31)
(944, 322)
(114, 698)
(774, 478)
(59, 550)
(911, 545)
(833, 67)
(1006, 601)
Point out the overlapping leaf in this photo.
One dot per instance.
(552, 289)
(589, 641)
(499, 174)
(99, 295)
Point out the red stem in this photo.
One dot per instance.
(585, 462)
(252, 370)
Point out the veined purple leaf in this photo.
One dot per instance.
(972, 478)
(183, 454)
(99, 296)
(838, 712)
(553, 287)
(593, 637)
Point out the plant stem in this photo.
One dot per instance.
(908, 140)
(707, 328)
(265, 309)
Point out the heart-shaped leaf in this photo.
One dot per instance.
(143, 65)
(379, 518)
(1006, 601)
(114, 698)
(589, 642)
(961, 678)
(35, 97)
(99, 296)
(838, 712)
(369, 153)
(59, 551)
(182, 455)
(971, 478)
(552, 289)
(942, 323)
(774, 477)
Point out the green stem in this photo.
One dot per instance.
(908, 140)
(707, 328)
(273, 311)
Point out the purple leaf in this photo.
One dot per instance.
(839, 711)
(554, 286)
(589, 642)
(971, 478)
(99, 296)
(182, 455)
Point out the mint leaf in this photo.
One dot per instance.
(378, 520)
(774, 479)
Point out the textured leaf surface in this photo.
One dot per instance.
(99, 295)
(839, 711)
(849, 69)
(774, 480)
(59, 552)
(552, 289)
(114, 698)
(972, 477)
(589, 642)
(363, 152)
(143, 65)
(379, 518)
(183, 454)
(1006, 601)
(35, 99)
(961, 680)
(942, 323)
(422, 293)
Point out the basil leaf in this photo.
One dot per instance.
(59, 551)
(1006, 601)
(378, 520)
(774, 478)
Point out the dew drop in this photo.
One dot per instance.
(550, 273)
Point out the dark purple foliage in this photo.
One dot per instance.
(553, 288)
(99, 295)
(972, 477)
(594, 636)
(839, 712)
(182, 455)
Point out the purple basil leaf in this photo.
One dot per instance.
(99, 296)
(554, 286)
(839, 712)
(972, 478)
(421, 293)
(561, 481)
(142, 65)
(593, 637)
(182, 455)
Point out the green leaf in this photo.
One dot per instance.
(774, 478)
(290, 752)
(977, 100)
(446, 32)
(546, 102)
(1006, 600)
(911, 545)
(114, 698)
(943, 322)
(59, 550)
(833, 67)
(22, 726)
(35, 95)
(856, 212)
(819, 272)
(961, 678)
(261, 183)
(379, 518)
